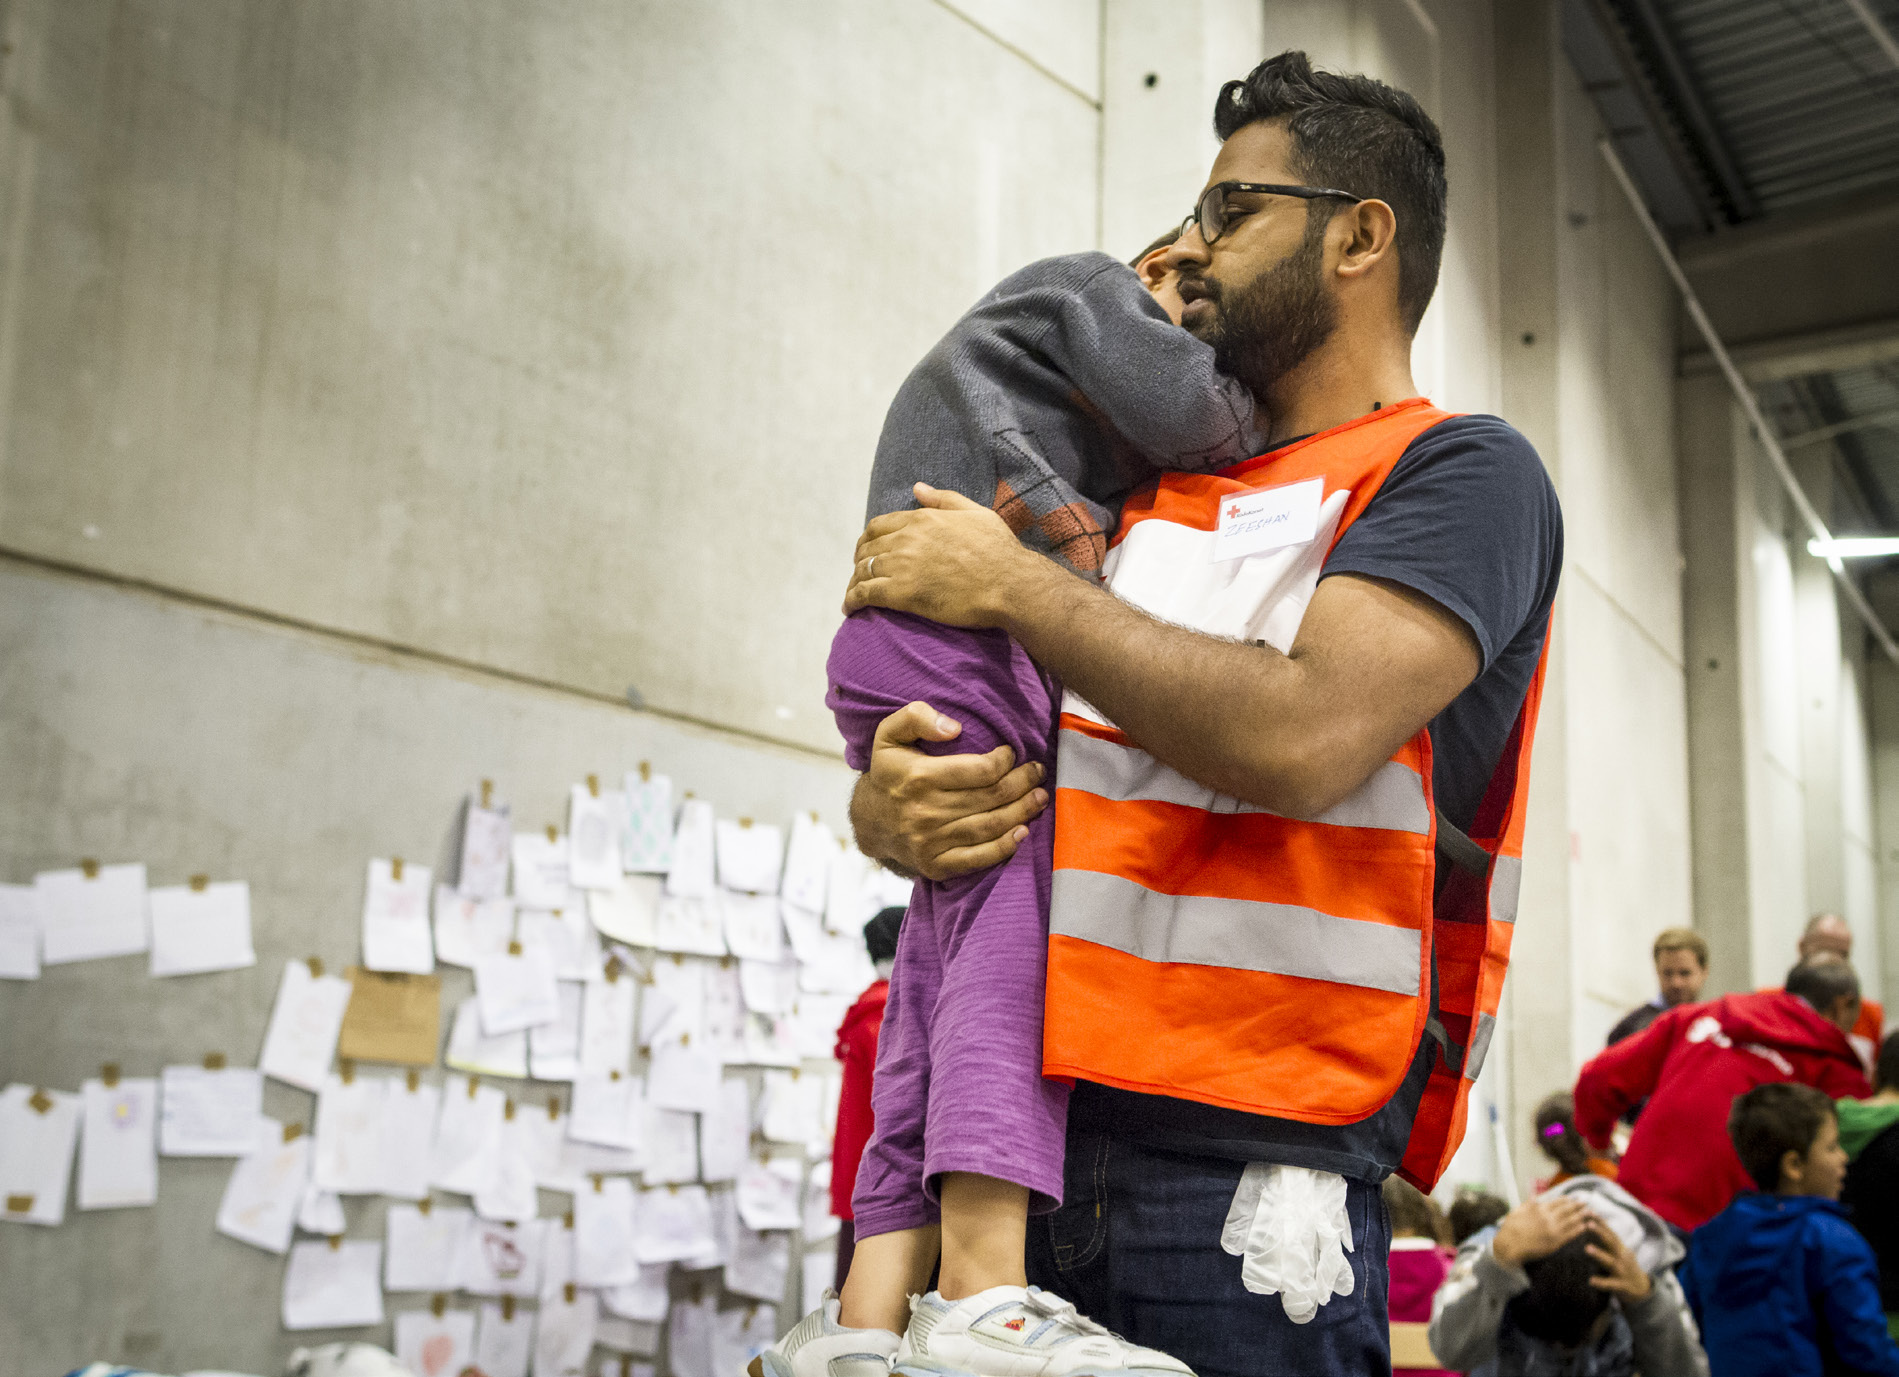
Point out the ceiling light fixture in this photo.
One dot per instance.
(1854, 547)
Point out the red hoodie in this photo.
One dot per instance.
(1691, 1063)
(857, 1049)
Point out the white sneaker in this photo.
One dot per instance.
(821, 1347)
(1014, 1331)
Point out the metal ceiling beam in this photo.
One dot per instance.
(1876, 29)
(1866, 421)
(1795, 356)
(1680, 91)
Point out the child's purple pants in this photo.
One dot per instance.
(958, 1085)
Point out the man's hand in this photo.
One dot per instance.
(939, 816)
(1537, 1228)
(1626, 1277)
(952, 560)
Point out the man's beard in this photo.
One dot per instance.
(1264, 329)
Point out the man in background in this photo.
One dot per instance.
(1827, 935)
(1681, 969)
(1694, 1060)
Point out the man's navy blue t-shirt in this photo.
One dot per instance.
(1468, 518)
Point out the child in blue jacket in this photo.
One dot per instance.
(1781, 1284)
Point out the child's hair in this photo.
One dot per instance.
(1165, 241)
(1770, 1121)
(1556, 1133)
(880, 934)
(1413, 1213)
(1561, 1305)
(1886, 1069)
(1475, 1210)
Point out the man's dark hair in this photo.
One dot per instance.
(1886, 1069)
(1473, 1210)
(1770, 1121)
(880, 934)
(1561, 1305)
(1361, 136)
(1822, 982)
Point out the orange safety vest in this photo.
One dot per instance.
(1204, 948)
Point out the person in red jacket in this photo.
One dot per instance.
(1691, 1063)
(857, 1049)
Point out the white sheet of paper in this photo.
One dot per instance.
(118, 1147)
(487, 838)
(507, 1191)
(557, 1255)
(768, 1194)
(209, 1113)
(672, 1223)
(794, 1108)
(349, 1138)
(567, 937)
(563, 1334)
(693, 926)
(690, 1340)
(769, 987)
(593, 838)
(425, 1250)
(819, 1222)
(749, 857)
(431, 1345)
(645, 1299)
(308, 1015)
(554, 1048)
(328, 1287)
(815, 1020)
(603, 1234)
(830, 962)
(408, 1137)
(820, 1274)
(516, 990)
(467, 1135)
(540, 871)
(36, 1154)
(848, 890)
(646, 836)
(670, 1144)
(753, 929)
(740, 1335)
(629, 912)
(194, 931)
(543, 1141)
(683, 1075)
(503, 1259)
(473, 1051)
(320, 1211)
(807, 877)
(608, 1109)
(606, 1025)
(584, 1161)
(625, 1336)
(467, 929)
(758, 1265)
(723, 1027)
(691, 875)
(19, 932)
(672, 1006)
(769, 1040)
(725, 1134)
(84, 919)
(260, 1200)
(503, 1344)
(396, 919)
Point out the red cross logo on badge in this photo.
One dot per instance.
(1233, 511)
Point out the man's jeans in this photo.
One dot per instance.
(1136, 1245)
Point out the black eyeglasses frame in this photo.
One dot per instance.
(1198, 216)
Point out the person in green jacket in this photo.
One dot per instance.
(1871, 1192)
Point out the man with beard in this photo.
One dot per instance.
(1292, 767)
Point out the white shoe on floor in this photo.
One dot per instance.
(821, 1347)
(1015, 1331)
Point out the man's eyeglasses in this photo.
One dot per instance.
(1211, 213)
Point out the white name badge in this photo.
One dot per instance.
(1267, 519)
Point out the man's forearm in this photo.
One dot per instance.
(1194, 702)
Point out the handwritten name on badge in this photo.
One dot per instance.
(1267, 519)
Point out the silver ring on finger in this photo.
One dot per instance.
(870, 567)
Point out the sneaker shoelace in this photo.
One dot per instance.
(1063, 1313)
